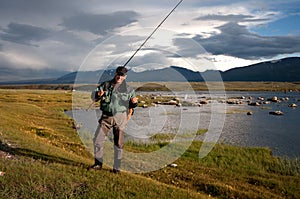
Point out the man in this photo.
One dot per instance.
(117, 101)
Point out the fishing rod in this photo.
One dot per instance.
(145, 41)
(152, 33)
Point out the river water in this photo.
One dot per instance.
(280, 133)
(226, 123)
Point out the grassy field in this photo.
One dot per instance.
(43, 157)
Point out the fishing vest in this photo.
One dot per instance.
(115, 99)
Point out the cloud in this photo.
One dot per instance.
(150, 61)
(20, 60)
(29, 8)
(67, 31)
(232, 18)
(235, 40)
(100, 24)
(188, 47)
(24, 34)
(62, 49)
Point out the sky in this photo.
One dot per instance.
(72, 35)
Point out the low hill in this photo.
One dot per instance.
(284, 70)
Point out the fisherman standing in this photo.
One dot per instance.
(117, 101)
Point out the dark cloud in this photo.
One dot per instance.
(121, 43)
(231, 18)
(48, 24)
(235, 40)
(24, 34)
(188, 47)
(100, 24)
(11, 74)
(41, 8)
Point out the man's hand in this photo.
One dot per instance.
(134, 100)
(100, 93)
(132, 104)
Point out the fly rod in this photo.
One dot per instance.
(146, 40)
(152, 33)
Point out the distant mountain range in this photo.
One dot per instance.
(28, 75)
(283, 70)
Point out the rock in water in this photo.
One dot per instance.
(276, 113)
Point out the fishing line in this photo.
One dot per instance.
(152, 33)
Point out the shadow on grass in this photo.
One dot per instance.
(15, 151)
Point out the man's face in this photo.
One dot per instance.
(119, 78)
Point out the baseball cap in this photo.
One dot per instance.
(121, 70)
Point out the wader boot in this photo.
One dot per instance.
(96, 166)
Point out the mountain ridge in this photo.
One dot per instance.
(287, 69)
(283, 70)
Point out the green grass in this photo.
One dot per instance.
(167, 137)
(29, 118)
(48, 160)
(234, 172)
(38, 179)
